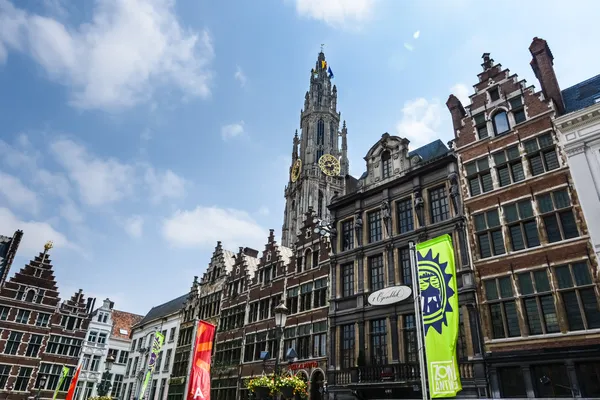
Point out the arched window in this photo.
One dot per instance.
(501, 123)
(319, 94)
(320, 206)
(30, 295)
(386, 164)
(307, 260)
(320, 133)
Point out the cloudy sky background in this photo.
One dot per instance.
(137, 133)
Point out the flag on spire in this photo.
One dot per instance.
(330, 72)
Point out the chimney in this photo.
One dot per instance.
(250, 252)
(543, 68)
(457, 111)
(487, 61)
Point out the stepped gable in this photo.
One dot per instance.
(35, 282)
(309, 242)
(221, 263)
(122, 324)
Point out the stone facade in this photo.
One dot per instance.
(536, 272)
(39, 333)
(402, 197)
(320, 133)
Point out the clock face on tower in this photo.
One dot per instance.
(296, 168)
(329, 165)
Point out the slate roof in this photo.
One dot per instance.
(165, 309)
(582, 95)
(430, 151)
(286, 253)
(122, 324)
(229, 260)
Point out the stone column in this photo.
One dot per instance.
(390, 263)
(361, 273)
(394, 332)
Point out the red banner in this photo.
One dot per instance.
(199, 383)
(73, 385)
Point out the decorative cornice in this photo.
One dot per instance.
(573, 151)
(578, 119)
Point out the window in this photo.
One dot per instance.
(4, 373)
(30, 296)
(541, 154)
(348, 346)
(303, 349)
(133, 344)
(348, 235)
(576, 288)
(409, 333)
(93, 336)
(378, 342)
(53, 373)
(4, 313)
(172, 334)
(522, 226)
(117, 385)
(501, 123)
(320, 204)
(502, 307)
(100, 317)
(292, 300)
(289, 339)
(509, 166)
(320, 293)
(439, 204)
(538, 302)
(374, 218)
(22, 379)
(228, 353)
(376, 272)
(135, 366)
(305, 296)
(404, 211)
(347, 280)
(153, 388)
(158, 362)
(13, 342)
(479, 176)
(95, 363)
(319, 339)
(315, 259)
(481, 126)
(332, 137)
(320, 133)
(85, 364)
(33, 347)
(127, 369)
(161, 392)
(102, 338)
(22, 316)
(70, 323)
(517, 108)
(405, 268)
(319, 153)
(64, 346)
(512, 382)
(494, 94)
(123, 356)
(386, 165)
(42, 319)
(559, 221)
(489, 234)
(167, 364)
(114, 353)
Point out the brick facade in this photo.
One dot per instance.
(39, 334)
(536, 272)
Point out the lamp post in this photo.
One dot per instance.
(104, 386)
(281, 313)
(41, 384)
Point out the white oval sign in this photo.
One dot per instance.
(389, 295)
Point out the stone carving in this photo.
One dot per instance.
(454, 191)
(419, 206)
(358, 223)
(387, 217)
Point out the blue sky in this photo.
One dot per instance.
(137, 133)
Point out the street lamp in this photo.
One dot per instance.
(104, 386)
(281, 313)
(41, 384)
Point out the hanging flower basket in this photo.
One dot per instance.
(262, 392)
(292, 385)
(262, 386)
(287, 391)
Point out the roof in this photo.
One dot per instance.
(122, 324)
(251, 264)
(229, 260)
(165, 309)
(430, 151)
(582, 95)
(286, 253)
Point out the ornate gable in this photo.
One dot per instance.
(387, 159)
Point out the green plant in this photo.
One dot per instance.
(266, 381)
(293, 381)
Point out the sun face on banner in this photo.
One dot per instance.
(434, 283)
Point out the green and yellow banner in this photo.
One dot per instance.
(63, 375)
(439, 308)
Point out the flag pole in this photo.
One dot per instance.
(418, 317)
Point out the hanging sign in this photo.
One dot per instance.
(389, 295)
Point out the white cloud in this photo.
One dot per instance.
(461, 91)
(232, 130)
(204, 226)
(35, 233)
(128, 49)
(336, 12)
(164, 185)
(99, 181)
(421, 121)
(416, 34)
(264, 210)
(134, 226)
(408, 46)
(69, 211)
(240, 76)
(17, 194)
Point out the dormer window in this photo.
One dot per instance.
(481, 126)
(501, 125)
(386, 164)
(494, 94)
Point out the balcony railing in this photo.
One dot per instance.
(399, 373)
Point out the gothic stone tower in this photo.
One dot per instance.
(319, 164)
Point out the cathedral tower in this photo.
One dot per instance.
(319, 161)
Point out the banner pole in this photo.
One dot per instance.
(191, 359)
(418, 317)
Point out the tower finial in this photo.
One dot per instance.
(322, 45)
(48, 246)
